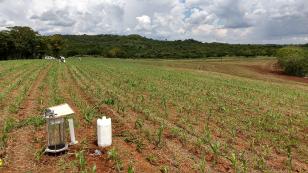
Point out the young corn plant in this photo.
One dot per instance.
(159, 140)
(202, 165)
(234, 161)
(289, 161)
(215, 147)
(130, 168)
(139, 123)
(164, 104)
(81, 161)
(164, 169)
(152, 159)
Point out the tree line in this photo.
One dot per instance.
(24, 43)
(20, 42)
(136, 46)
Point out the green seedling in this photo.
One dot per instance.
(164, 169)
(81, 160)
(139, 123)
(152, 159)
(160, 136)
(215, 147)
(202, 165)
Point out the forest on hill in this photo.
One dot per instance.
(25, 43)
(135, 46)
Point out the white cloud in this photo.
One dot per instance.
(235, 21)
(144, 23)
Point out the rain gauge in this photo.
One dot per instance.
(55, 117)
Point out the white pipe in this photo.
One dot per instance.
(72, 131)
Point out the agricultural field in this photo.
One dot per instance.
(232, 115)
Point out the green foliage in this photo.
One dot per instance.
(89, 113)
(293, 60)
(130, 169)
(113, 155)
(135, 46)
(139, 123)
(289, 153)
(115, 52)
(39, 153)
(152, 159)
(164, 169)
(202, 165)
(109, 101)
(9, 125)
(35, 121)
(21, 43)
(56, 44)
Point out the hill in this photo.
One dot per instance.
(135, 46)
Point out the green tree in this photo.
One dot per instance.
(41, 48)
(115, 52)
(6, 44)
(56, 45)
(293, 60)
(24, 39)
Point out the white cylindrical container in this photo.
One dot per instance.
(104, 132)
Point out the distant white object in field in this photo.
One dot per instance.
(49, 57)
(62, 59)
(104, 132)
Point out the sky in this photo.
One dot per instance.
(230, 21)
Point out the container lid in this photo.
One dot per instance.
(104, 121)
(59, 111)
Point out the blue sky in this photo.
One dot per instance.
(232, 21)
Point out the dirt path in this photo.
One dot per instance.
(271, 68)
(20, 154)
